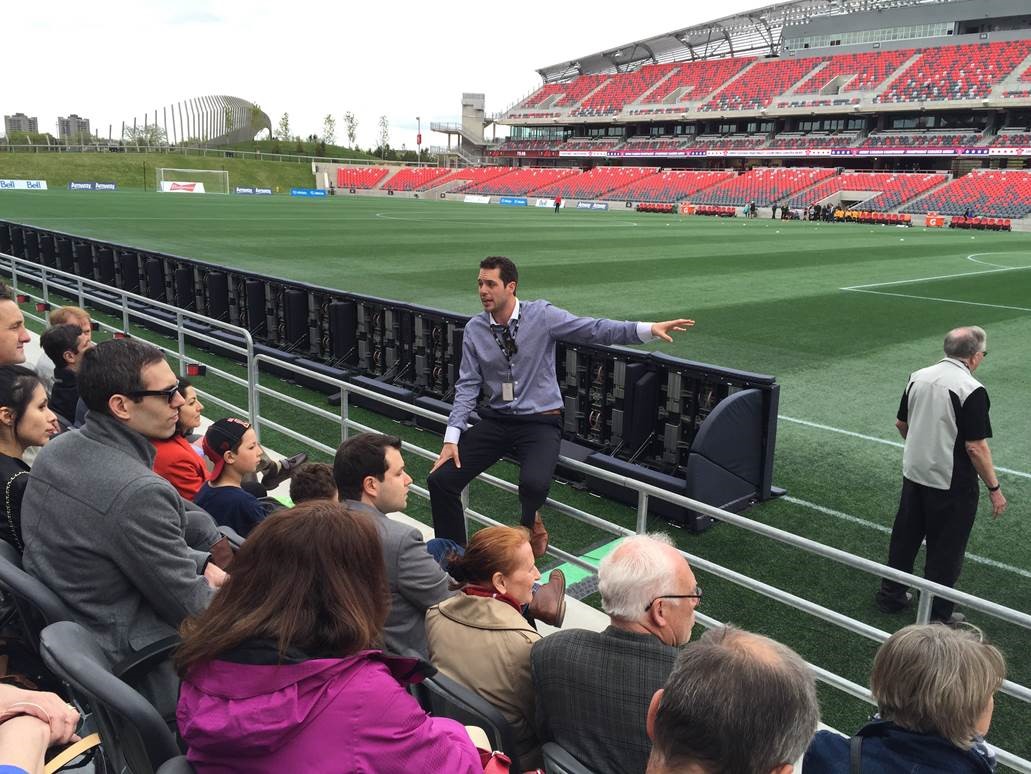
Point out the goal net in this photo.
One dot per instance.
(193, 180)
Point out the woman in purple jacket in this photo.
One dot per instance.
(281, 673)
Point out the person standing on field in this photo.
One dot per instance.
(508, 352)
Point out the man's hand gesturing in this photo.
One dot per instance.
(662, 330)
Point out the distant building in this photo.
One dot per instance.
(20, 122)
(73, 127)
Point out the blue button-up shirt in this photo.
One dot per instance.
(532, 368)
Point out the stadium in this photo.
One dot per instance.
(826, 188)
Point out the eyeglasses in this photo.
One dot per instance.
(697, 595)
(984, 353)
(168, 395)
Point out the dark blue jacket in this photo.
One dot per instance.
(889, 749)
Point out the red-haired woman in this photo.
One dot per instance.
(281, 673)
(480, 638)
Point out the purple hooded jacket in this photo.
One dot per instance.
(322, 715)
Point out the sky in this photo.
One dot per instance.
(401, 58)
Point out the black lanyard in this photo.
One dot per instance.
(507, 351)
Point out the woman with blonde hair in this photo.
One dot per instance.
(480, 637)
(283, 672)
(935, 690)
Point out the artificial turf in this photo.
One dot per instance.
(768, 296)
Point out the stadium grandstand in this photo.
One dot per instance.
(803, 101)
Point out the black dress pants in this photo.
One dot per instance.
(534, 442)
(944, 518)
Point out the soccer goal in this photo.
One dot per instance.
(193, 180)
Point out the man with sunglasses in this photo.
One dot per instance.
(943, 418)
(115, 541)
(593, 688)
(508, 355)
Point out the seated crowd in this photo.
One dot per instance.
(300, 642)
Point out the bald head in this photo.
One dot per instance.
(964, 343)
(735, 701)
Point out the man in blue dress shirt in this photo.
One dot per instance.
(508, 352)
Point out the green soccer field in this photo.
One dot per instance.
(840, 314)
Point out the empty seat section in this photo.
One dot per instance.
(411, 179)
(864, 72)
(888, 189)
(763, 81)
(921, 139)
(542, 94)
(360, 177)
(695, 80)
(460, 178)
(956, 72)
(525, 145)
(994, 193)
(578, 88)
(1013, 139)
(583, 144)
(594, 183)
(520, 181)
(650, 144)
(622, 89)
(763, 185)
(672, 185)
(729, 142)
(806, 141)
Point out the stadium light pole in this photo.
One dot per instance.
(418, 140)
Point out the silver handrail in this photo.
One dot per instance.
(45, 275)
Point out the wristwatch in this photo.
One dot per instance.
(994, 488)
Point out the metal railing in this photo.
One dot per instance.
(72, 284)
(927, 590)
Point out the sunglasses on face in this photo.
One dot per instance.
(168, 395)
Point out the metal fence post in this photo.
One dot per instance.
(43, 282)
(923, 608)
(465, 507)
(125, 313)
(344, 414)
(181, 335)
(642, 512)
(253, 396)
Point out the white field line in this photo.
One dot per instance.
(935, 277)
(886, 442)
(887, 530)
(944, 300)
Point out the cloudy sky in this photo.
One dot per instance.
(398, 58)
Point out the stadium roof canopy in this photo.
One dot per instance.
(755, 33)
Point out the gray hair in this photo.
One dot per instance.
(736, 702)
(966, 342)
(634, 574)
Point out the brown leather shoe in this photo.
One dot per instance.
(279, 471)
(538, 538)
(549, 603)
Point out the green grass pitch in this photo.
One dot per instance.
(840, 314)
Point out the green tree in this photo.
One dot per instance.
(329, 129)
(230, 120)
(384, 135)
(151, 134)
(283, 131)
(351, 127)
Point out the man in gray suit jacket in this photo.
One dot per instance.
(593, 688)
(370, 477)
(115, 541)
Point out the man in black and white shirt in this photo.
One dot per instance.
(943, 417)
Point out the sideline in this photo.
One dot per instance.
(885, 441)
(887, 530)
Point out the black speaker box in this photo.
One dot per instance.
(154, 271)
(343, 331)
(257, 322)
(129, 268)
(185, 297)
(217, 284)
(105, 268)
(295, 310)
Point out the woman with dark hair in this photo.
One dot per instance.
(177, 460)
(282, 672)
(935, 690)
(480, 637)
(25, 420)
